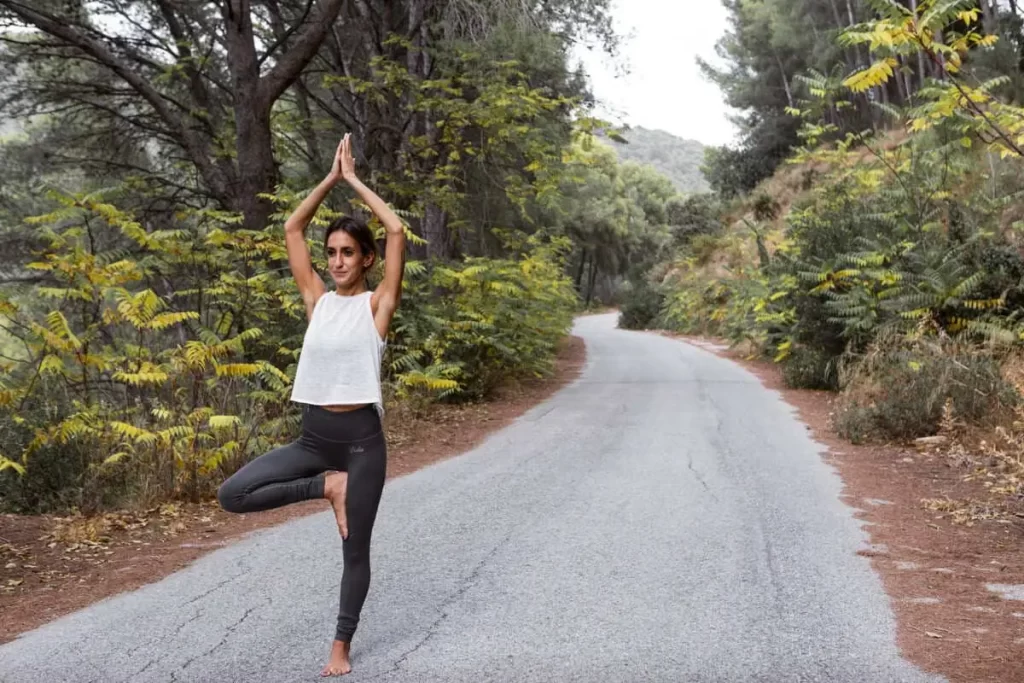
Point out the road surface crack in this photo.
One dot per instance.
(689, 464)
(198, 614)
(143, 669)
(177, 631)
(227, 634)
(468, 582)
(773, 571)
(212, 590)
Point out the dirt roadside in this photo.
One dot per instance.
(50, 566)
(957, 591)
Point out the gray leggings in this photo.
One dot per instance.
(350, 442)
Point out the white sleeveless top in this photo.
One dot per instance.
(341, 354)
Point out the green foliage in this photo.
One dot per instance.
(732, 172)
(122, 372)
(810, 368)
(692, 216)
(903, 263)
(618, 216)
(768, 47)
(131, 390)
(640, 306)
(945, 32)
(465, 328)
(483, 112)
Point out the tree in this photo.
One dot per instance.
(191, 75)
(209, 103)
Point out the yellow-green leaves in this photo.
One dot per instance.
(873, 76)
(930, 33)
(8, 464)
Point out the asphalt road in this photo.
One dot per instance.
(664, 518)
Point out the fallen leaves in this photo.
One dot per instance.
(54, 549)
(966, 512)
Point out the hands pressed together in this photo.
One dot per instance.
(344, 165)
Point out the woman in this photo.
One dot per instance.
(341, 455)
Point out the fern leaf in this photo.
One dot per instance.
(873, 76)
(237, 369)
(224, 421)
(165, 320)
(8, 464)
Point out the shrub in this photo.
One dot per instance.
(156, 363)
(468, 327)
(809, 368)
(900, 394)
(640, 306)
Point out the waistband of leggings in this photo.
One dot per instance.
(341, 426)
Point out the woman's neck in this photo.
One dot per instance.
(353, 290)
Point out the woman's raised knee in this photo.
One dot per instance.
(230, 497)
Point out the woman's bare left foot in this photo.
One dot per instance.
(339, 664)
(335, 488)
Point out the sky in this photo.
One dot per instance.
(664, 88)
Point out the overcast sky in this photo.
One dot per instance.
(664, 88)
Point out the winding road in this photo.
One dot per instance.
(664, 518)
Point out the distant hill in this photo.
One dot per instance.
(675, 157)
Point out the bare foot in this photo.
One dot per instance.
(339, 664)
(335, 486)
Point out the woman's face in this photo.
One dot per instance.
(345, 259)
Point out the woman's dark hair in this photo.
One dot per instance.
(359, 231)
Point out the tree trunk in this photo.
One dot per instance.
(785, 81)
(579, 271)
(315, 163)
(253, 143)
(435, 231)
(593, 281)
(988, 16)
(902, 84)
(921, 72)
(850, 56)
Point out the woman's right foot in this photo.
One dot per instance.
(335, 488)
(339, 664)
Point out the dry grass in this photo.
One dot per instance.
(992, 457)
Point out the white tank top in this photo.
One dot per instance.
(341, 354)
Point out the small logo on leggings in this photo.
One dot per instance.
(356, 449)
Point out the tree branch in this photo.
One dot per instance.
(283, 36)
(306, 43)
(195, 147)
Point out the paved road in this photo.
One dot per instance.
(664, 518)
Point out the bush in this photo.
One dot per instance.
(640, 306)
(899, 395)
(809, 368)
(138, 389)
(466, 328)
(692, 216)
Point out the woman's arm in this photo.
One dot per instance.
(311, 287)
(389, 292)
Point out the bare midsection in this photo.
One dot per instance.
(345, 408)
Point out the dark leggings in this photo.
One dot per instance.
(350, 442)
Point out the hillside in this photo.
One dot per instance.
(677, 158)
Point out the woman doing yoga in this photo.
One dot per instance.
(341, 454)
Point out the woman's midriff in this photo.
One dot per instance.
(345, 408)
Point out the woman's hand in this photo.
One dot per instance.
(344, 166)
(348, 162)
